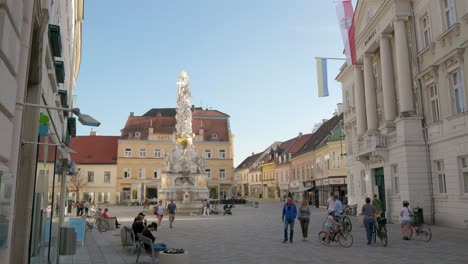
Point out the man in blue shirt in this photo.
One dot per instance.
(288, 217)
(338, 207)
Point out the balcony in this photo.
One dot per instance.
(369, 144)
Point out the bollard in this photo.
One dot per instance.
(67, 241)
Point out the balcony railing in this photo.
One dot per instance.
(369, 144)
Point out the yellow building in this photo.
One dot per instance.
(146, 139)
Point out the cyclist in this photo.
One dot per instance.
(338, 207)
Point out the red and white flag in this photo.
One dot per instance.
(345, 13)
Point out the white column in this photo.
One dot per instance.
(371, 99)
(360, 101)
(388, 79)
(405, 87)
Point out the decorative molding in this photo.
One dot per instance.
(446, 35)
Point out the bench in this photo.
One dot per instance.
(142, 240)
(127, 236)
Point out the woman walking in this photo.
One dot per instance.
(304, 218)
(406, 215)
(368, 210)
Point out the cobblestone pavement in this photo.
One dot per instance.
(254, 235)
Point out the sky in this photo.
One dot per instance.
(253, 60)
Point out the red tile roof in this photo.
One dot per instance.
(300, 141)
(94, 149)
(212, 122)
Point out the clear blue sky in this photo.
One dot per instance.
(253, 60)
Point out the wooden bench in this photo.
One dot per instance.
(142, 240)
(128, 238)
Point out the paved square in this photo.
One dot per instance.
(254, 235)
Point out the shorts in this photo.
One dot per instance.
(328, 228)
(159, 215)
(405, 222)
(171, 217)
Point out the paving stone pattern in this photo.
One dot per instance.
(254, 235)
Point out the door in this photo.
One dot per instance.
(380, 184)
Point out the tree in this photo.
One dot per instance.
(77, 181)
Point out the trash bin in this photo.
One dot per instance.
(418, 215)
(67, 241)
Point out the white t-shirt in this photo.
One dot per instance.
(406, 214)
(330, 203)
(160, 209)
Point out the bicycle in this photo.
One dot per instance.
(345, 239)
(342, 220)
(381, 231)
(350, 209)
(101, 224)
(423, 231)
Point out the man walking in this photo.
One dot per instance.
(171, 208)
(288, 217)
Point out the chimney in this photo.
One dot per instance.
(92, 133)
(300, 134)
(324, 120)
(253, 153)
(132, 114)
(339, 108)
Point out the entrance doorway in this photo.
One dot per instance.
(380, 187)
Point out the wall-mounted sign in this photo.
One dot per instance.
(336, 181)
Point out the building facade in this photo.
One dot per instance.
(146, 139)
(40, 44)
(406, 108)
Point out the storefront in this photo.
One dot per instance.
(337, 185)
(255, 190)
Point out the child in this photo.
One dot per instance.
(330, 224)
(406, 215)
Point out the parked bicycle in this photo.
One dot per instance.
(380, 231)
(345, 239)
(423, 231)
(350, 209)
(342, 220)
(101, 224)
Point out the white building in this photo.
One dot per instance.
(405, 106)
(40, 51)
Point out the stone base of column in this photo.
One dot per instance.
(373, 132)
(387, 127)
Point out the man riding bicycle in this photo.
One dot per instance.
(338, 208)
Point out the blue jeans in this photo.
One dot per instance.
(289, 222)
(369, 225)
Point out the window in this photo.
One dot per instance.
(222, 173)
(434, 103)
(395, 178)
(222, 154)
(142, 153)
(351, 184)
(449, 12)
(127, 173)
(155, 174)
(214, 136)
(208, 173)
(128, 152)
(464, 172)
(90, 176)
(346, 102)
(157, 153)
(363, 182)
(141, 173)
(426, 31)
(440, 173)
(107, 176)
(207, 154)
(458, 91)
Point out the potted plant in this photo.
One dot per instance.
(174, 256)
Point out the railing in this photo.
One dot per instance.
(369, 144)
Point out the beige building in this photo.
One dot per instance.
(146, 139)
(40, 43)
(405, 105)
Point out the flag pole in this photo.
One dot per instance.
(330, 58)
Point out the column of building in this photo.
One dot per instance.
(371, 98)
(388, 83)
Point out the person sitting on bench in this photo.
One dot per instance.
(147, 233)
(117, 225)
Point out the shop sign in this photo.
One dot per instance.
(309, 184)
(318, 183)
(325, 182)
(336, 181)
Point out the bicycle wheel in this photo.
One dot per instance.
(374, 234)
(347, 225)
(323, 238)
(345, 241)
(425, 233)
(103, 226)
(383, 236)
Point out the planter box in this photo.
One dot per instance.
(165, 258)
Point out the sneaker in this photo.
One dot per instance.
(284, 241)
(171, 226)
(306, 240)
(290, 241)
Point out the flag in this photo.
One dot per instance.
(322, 79)
(345, 14)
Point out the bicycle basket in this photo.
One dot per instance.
(383, 221)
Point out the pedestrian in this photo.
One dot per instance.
(330, 202)
(378, 206)
(171, 208)
(288, 217)
(337, 207)
(406, 215)
(138, 226)
(303, 215)
(143, 219)
(206, 210)
(86, 208)
(78, 208)
(159, 212)
(368, 210)
(117, 225)
(146, 203)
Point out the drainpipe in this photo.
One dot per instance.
(424, 123)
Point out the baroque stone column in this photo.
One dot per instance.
(360, 101)
(405, 87)
(371, 99)
(388, 80)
